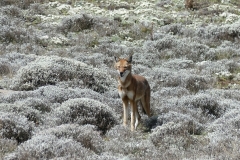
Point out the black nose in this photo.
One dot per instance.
(121, 74)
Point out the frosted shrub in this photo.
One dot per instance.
(13, 126)
(105, 27)
(51, 70)
(5, 67)
(165, 77)
(172, 135)
(131, 144)
(224, 134)
(86, 111)
(32, 108)
(37, 8)
(57, 94)
(24, 4)
(18, 60)
(10, 34)
(179, 64)
(76, 23)
(49, 146)
(14, 96)
(29, 113)
(166, 43)
(196, 83)
(87, 135)
(12, 11)
(171, 47)
(173, 29)
(41, 105)
(7, 146)
(208, 105)
(228, 32)
(222, 53)
(225, 94)
(211, 67)
(171, 92)
(189, 124)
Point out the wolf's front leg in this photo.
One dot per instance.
(133, 114)
(125, 111)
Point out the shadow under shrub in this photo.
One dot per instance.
(86, 111)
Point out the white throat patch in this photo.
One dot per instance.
(125, 74)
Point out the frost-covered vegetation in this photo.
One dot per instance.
(58, 96)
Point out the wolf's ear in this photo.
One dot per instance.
(116, 59)
(130, 59)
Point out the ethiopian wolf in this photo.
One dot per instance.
(132, 88)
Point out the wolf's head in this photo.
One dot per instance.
(123, 66)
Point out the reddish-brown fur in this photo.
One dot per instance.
(132, 88)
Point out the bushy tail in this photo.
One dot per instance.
(145, 102)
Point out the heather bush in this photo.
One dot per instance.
(7, 146)
(174, 141)
(58, 58)
(24, 4)
(122, 141)
(232, 94)
(86, 111)
(12, 11)
(208, 105)
(37, 8)
(52, 70)
(225, 32)
(15, 96)
(10, 64)
(30, 113)
(161, 97)
(49, 146)
(5, 67)
(165, 77)
(105, 27)
(58, 94)
(223, 135)
(169, 47)
(211, 67)
(14, 126)
(87, 135)
(178, 64)
(76, 23)
(187, 123)
(18, 60)
(10, 34)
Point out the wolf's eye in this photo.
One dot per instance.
(118, 66)
(125, 67)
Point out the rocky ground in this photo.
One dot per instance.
(58, 86)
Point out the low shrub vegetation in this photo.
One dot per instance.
(58, 86)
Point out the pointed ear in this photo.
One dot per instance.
(116, 59)
(130, 59)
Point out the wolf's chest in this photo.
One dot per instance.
(125, 92)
